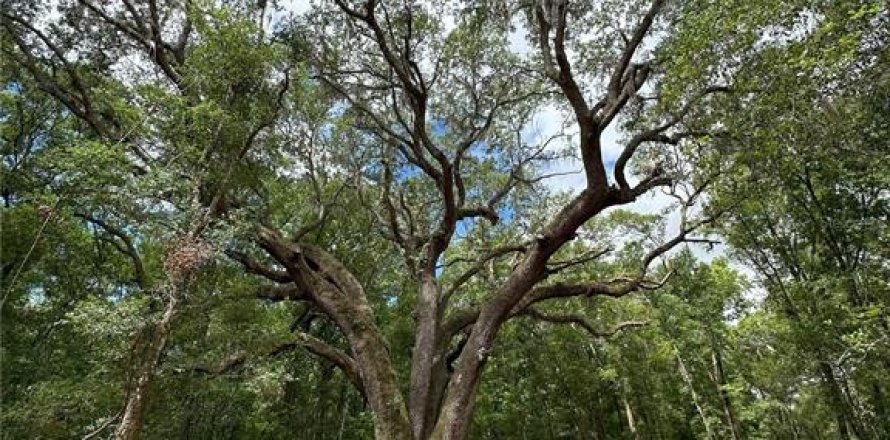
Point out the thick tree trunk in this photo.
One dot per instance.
(422, 404)
(457, 408)
(131, 421)
(378, 378)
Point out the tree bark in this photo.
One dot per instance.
(629, 415)
(837, 398)
(459, 398)
(336, 291)
(131, 420)
(695, 400)
(720, 378)
(422, 403)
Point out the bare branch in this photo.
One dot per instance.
(478, 266)
(255, 267)
(621, 68)
(615, 288)
(558, 266)
(128, 249)
(581, 321)
(301, 339)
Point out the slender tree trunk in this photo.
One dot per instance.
(343, 408)
(720, 378)
(629, 414)
(787, 419)
(325, 380)
(881, 415)
(131, 421)
(837, 398)
(688, 379)
(855, 410)
(189, 418)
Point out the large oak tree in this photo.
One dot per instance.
(372, 155)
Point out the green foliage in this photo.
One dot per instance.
(797, 152)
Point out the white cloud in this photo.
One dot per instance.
(296, 6)
(518, 38)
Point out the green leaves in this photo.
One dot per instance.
(314, 129)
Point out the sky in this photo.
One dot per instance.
(548, 122)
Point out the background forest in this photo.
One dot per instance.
(504, 219)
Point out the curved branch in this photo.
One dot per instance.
(257, 268)
(128, 249)
(474, 269)
(581, 321)
(301, 340)
(282, 293)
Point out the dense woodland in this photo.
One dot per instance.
(489, 219)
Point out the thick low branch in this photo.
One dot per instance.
(615, 288)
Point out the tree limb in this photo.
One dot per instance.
(581, 321)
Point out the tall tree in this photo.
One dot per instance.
(365, 179)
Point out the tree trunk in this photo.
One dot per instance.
(381, 389)
(688, 379)
(458, 405)
(881, 415)
(325, 382)
(343, 408)
(629, 414)
(855, 410)
(131, 421)
(342, 298)
(720, 378)
(422, 404)
(837, 398)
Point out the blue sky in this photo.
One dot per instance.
(550, 121)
